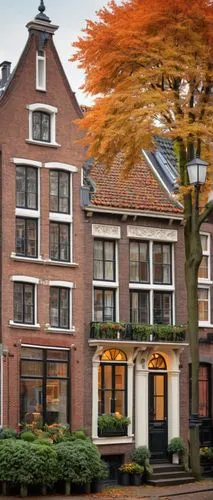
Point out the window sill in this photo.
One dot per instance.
(60, 263)
(204, 324)
(60, 330)
(113, 440)
(24, 326)
(42, 143)
(35, 260)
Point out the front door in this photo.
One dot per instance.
(158, 432)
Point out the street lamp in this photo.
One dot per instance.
(197, 171)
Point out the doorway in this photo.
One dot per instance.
(158, 428)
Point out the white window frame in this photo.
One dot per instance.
(28, 213)
(107, 284)
(34, 281)
(153, 287)
(52, 111)
(41, 58)
(206, 282)
(70, 286)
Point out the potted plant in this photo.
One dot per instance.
(124, 476)
(136, 472)
(176, 449)
(141, 456)
(112, 424)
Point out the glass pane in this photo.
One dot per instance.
(18, 303)
(20, 187)
(36, 126)
(203, 306)
(109, 250)
(64, 192)
(59, 355)
(162, 308)
(108, 305)
(54, 241)
(119, 377)
(64, 242)
(56, 369)
(120, 402)
(98, 260)
(41, 73)
(45, 123)
(107, 401)
(32, 368)
(28, 303)
(56, 401)
(54, 306)
(20, 236)
(203, 269)
(204, 242)
(107, 376)
(31, 238)
(64, 308)
(31, 188)
(32, 353)
(139, 307)
(134, 271)
(53, 191)
(159, 397)
(98, 305)
(134, 261)
(31, 401)
(109, 271)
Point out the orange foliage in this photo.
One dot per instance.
(151, 64)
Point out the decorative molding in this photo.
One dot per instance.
(151, 233)
(58, 165)
(106, 231)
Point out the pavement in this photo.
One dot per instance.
(202, 490)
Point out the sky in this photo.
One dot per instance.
(70, 15)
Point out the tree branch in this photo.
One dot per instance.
(208, 209)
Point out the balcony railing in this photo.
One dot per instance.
(137, 332)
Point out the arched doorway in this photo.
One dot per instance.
(158, 403)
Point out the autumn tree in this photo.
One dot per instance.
(151, 65)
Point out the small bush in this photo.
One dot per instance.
(28, 436)
(141, 455)
(16, 464)
(6, 433)
(177, 445)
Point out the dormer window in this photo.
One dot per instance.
(41, 126)
(40, 70)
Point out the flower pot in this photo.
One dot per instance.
(97, 486)
(175, 458)
(136, 479)
(124, 479)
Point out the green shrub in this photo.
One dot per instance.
(45, 464)
(6, 433)
(28, 436)
(80, 434)
(43, 442)
(177, 445)
(141, 455)
(112, 421)
(16, 464)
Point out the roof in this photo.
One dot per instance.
(141, 190)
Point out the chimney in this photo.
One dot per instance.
(5, 71)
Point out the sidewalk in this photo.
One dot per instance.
(204, 489)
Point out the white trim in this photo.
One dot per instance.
(42, 107)
(113, 440)
(64, 284)
(61, 166)
(38, 260)
(51, 144)
(106, 231)
(28, 213)
(134, 213)
(105, 284)
(60, 217)
(61, 330)
(25, 326)
(149, 286)
(43, 60)
(152, 233)
(61, 263)
(24, 161)
(46, 347)
(25, 279)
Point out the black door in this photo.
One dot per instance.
(158, 432)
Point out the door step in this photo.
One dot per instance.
(167, 474)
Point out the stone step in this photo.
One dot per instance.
(171, 482)
(168, 474)
(167, 467)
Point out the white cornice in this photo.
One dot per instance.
(133, 213)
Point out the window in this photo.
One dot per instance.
(26, 237)
(204, 383)
(44, 387)
(139, 261)
(203, 304)
(204, 271)
(104, 260)
(112, 382)
(151, 286)
(40, 70)
(59, 241)
(26, 187)
(24, 303)
(59, 307)
(59, 191)
(104, 304)
(41, 126)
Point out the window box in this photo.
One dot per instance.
(113, 424)
(113, 432)
(137, 332)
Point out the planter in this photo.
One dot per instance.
(135, 479)
(97, 486)
(124, 479)
(175, 458)
(122, 431)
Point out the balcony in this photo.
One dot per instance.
(136, 332)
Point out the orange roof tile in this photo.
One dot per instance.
(140, 190)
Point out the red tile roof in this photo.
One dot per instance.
(140, 190)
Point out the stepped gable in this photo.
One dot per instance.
(140, 190)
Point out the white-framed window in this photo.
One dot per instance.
(60, 212)
(204, 282)
(42, 124)
(24, 301)
(41, 70)
(60, 306)
(27, 235)
(151, 282)
(105, 280)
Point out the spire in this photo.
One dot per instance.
(41, 16)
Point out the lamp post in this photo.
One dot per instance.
(197, 170)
